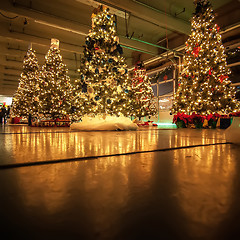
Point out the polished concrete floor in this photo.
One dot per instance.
(147, 184)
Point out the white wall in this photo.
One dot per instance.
(7, 100)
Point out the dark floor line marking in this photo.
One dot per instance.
(28, 164)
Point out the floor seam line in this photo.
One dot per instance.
(29, 164)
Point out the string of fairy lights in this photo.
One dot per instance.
(105, 86)
(141, 85)
(204, 85)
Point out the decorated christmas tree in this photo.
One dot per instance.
(204, 86)
(145, 105)
(105, 80)
(55, 87)
(25, 99)
(80, 103)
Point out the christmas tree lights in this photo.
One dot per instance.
(25, 100)
(141, 85)
(55, 89)
(106, 85)
(204, 85)
(80, 103)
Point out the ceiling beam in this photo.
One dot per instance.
(71, 64)
(23, 37)
(148, 13)
(70, 26)
(8, 71)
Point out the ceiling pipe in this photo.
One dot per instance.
(19, 5)
(150, 14)
(83, 29)
(111, 6)
(157, 10)
(155, 45)
(64, 24)
(163, 56)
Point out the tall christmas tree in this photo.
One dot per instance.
(144, 93)
(204, 85)
(55, 87)
(25, 98)
(105, 76)
(80, 103)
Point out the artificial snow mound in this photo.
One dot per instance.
(232, 133)
(108, 123)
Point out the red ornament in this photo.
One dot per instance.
(222, 77)
(195, 51)
(165, 78)
(210, 71)
(218, 28)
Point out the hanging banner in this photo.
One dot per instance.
(55, 43)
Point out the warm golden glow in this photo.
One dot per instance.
(204, 179)
(104, 86)
(204, 85)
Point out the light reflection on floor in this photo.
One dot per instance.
(190, 193)
(52, 145)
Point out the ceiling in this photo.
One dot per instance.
(145, 28)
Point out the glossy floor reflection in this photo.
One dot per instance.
(190, 193)
(26, 144)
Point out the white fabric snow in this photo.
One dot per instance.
(110, 123)
(232, 133)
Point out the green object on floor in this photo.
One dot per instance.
(198, 125)
(213, 124)
(180, 124)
